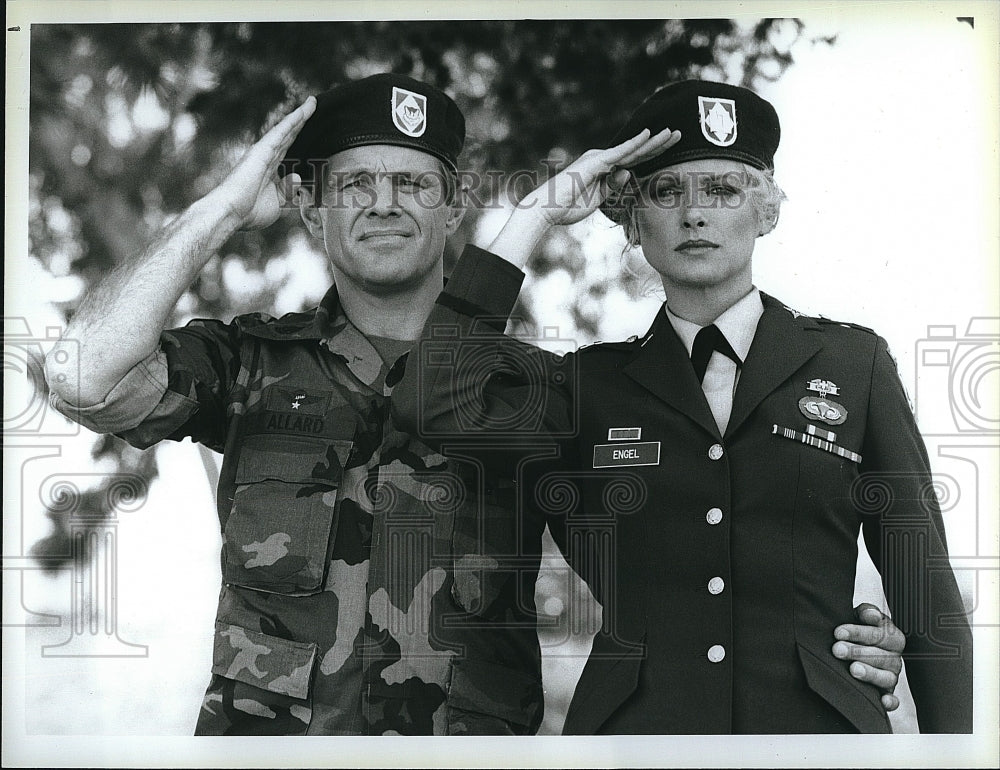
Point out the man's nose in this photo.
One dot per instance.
(384, 197)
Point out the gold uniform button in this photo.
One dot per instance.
(715, 452)
(714, 516)
(716, 653)
(716, 586)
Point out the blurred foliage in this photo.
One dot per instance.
(130, 123)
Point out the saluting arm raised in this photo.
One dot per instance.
(575, 193)
(118, 324)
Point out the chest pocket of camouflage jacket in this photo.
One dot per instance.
(277, 535)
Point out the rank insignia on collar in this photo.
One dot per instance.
(823, 409)
(823, 387)
(795, 313)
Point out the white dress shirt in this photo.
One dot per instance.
(738, 325)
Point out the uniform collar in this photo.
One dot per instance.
(781, 343)
(738, 323)
(313, 324)
(328, 325)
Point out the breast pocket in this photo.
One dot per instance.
(826, 481)
(278, 534)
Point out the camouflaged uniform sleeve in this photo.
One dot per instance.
(178, 390)
(128, 403)
(200, 364)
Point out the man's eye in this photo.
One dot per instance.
(414, 183)
(361, 181)
(722, 189)
(667, 193)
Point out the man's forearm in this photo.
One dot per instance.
(119, 322)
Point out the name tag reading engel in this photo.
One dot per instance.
(627, 455)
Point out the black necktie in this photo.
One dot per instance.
(710, 339)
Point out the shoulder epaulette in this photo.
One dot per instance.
(607, 345)
(845, 324)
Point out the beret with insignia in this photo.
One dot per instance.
(716, 120)
(381, 109)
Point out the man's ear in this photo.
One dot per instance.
(456, 213)
(310, 214)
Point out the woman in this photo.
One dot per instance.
(712, 474)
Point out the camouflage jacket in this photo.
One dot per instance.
(341, 612)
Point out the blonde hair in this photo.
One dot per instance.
(763, 192)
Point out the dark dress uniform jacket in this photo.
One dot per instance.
(723, 563)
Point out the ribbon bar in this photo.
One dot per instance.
(816, 441)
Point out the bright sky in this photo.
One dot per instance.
(888, 164)
(889, 158)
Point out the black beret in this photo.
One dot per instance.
(716, 120)
(381, 109)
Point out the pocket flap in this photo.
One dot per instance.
(293, 460)
(858, 701)
(269, 662)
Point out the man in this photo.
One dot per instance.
(336, 614)
(355, 597)
(711, 475)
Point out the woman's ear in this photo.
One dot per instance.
(767, 225)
